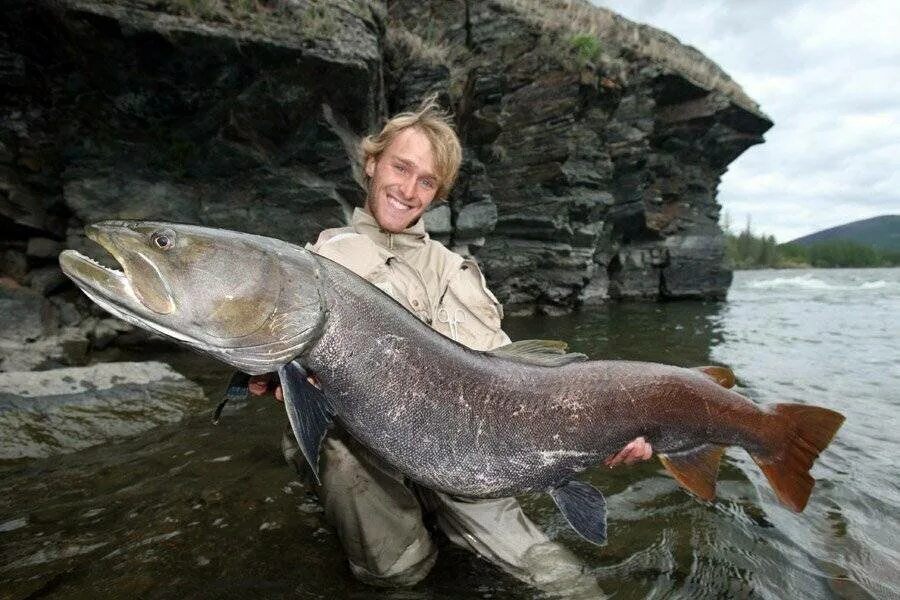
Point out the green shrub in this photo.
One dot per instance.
(586, 45)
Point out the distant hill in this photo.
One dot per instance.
(881, 232)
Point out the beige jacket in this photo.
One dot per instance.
(439, 286)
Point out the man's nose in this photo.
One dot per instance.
(409, 186)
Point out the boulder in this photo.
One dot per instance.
(25, 315)
(43, 248)
(46, 280)
(13, 264)
(476, 220)
(43, 413)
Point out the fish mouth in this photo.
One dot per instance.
(137, 292)
(90, 275)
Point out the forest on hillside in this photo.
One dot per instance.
(748, 250)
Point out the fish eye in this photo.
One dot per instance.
(164, 239)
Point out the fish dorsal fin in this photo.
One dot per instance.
(696, 469)
(308, 410)
(721, 375)
(544, 353)
(584, 507)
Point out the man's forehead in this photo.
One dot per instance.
(413, 148)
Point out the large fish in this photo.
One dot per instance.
(524, 418)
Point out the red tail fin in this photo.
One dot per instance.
(810, 431)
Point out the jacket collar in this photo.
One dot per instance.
(412, 238)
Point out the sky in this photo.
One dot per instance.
(827, 72)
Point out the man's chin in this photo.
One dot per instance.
(395, 223)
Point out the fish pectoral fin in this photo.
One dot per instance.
(696, 469)
(584, 507)
(721, 375)
(237, 389)
(308, 411)
(545, 353)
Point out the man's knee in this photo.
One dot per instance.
(409, 569)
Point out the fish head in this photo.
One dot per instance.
(251, 301)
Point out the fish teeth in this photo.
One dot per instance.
(97, 264)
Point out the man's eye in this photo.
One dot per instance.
(427, 184)
(400, 168)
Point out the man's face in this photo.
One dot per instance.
(402, 181)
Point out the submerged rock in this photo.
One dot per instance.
(63, 410)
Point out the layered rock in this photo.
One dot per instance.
(601, 142)
(593, 146)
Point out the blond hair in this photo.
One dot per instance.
(436, 125)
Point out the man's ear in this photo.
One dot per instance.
(370, 166)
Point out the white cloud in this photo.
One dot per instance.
(828, 73)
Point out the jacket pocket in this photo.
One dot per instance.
(469, 312)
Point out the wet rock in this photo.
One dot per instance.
(24, 314)
(46, 280)
(106, 331)
(63, 410)
(67, 347)
(437, 222)
(476, 220)
(14, 264)
(41, 333)
(69, 313)
(43, 248)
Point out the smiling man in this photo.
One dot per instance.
(380, 516)
(402, 180)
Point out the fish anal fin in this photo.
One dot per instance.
(721, 375)
(308, 411)
(811, 430)
(696, 469)
(584, 507)
(546, 353)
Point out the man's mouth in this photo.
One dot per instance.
(396, 204)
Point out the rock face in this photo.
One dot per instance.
(64, 410)
(593, 146)
(601, 142)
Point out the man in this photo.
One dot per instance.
(379, 515)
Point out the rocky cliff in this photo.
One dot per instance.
(593, 145)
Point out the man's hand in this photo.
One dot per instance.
(260, 385)
(637, 449)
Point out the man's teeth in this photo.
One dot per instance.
(397, 204)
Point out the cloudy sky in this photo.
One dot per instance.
(827, 72)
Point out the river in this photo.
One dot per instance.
(196, 510)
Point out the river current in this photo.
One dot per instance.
(196, 510)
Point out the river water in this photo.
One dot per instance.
(196, 510)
